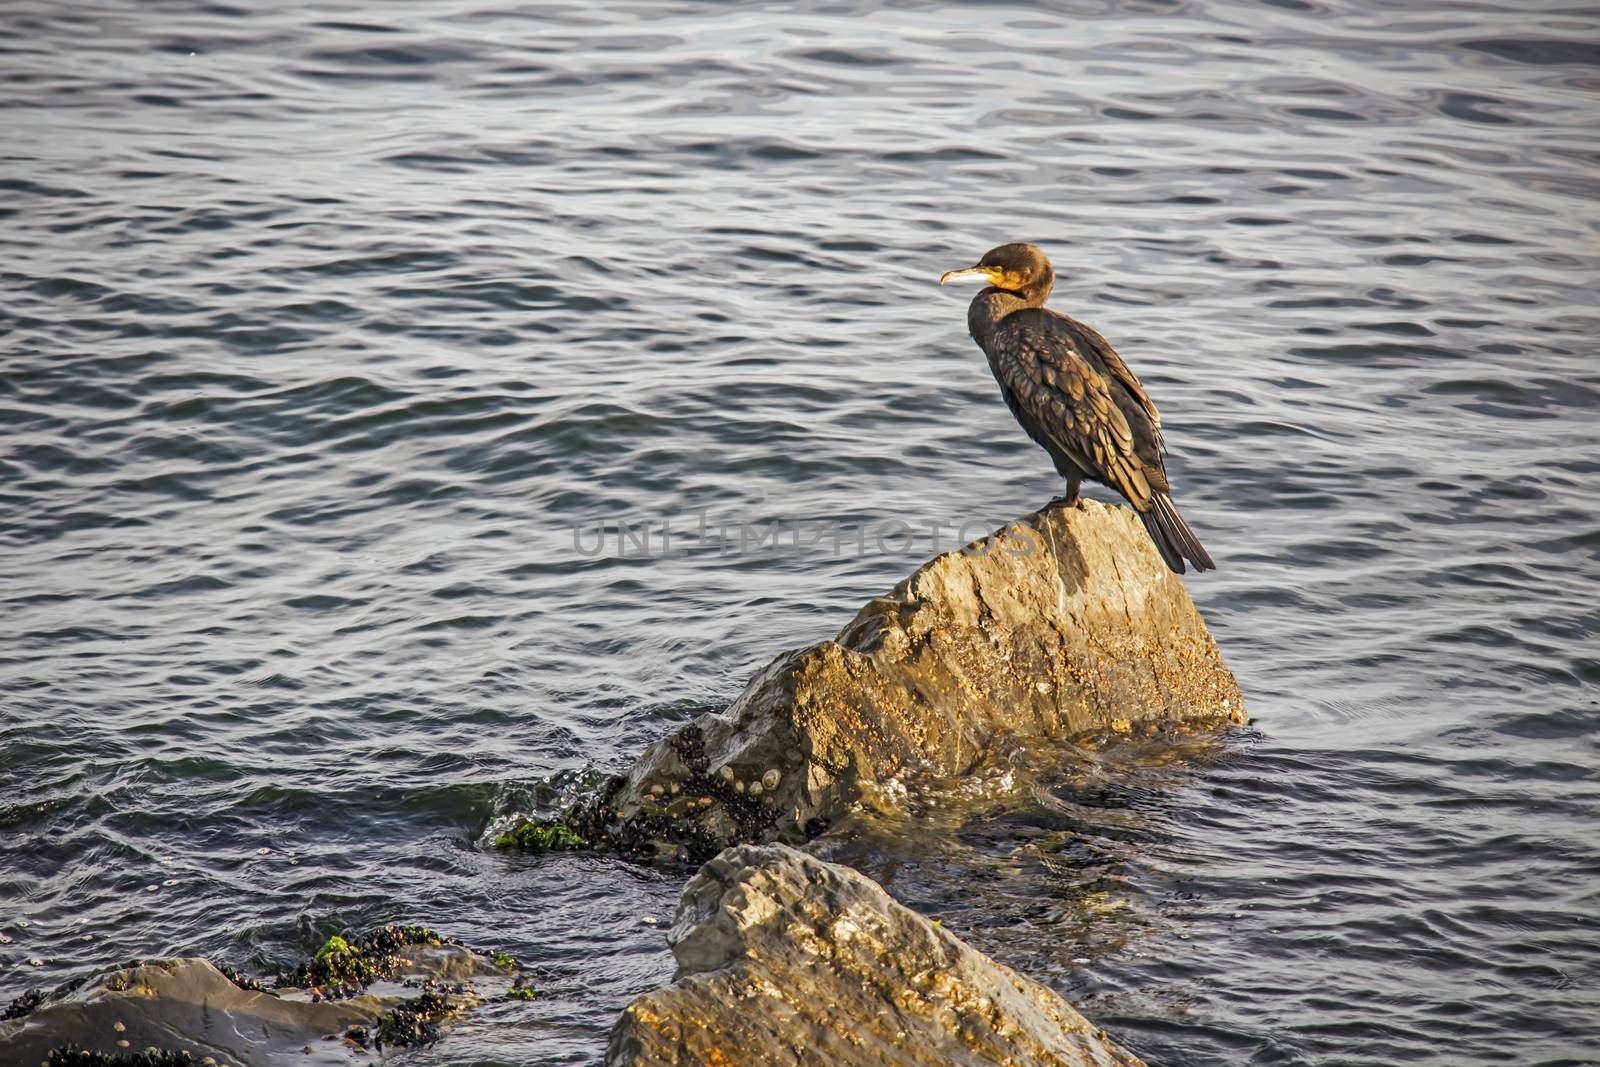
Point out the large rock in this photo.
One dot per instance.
(1058, 624)
(786, 960)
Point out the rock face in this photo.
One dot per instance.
(1058, 624)
(786, 960)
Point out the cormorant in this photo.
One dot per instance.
(1074, 395)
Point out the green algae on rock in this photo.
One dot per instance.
(688, 820)
(1063, 624)
(336, 961)
(340, 967)
(536, 835)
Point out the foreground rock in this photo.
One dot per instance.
(399, 992)
(1060, 624)
(786, 960)
(183, 1005)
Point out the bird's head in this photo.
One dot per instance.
(1018, 268)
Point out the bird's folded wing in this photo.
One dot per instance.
(1129, 381)
(1070, 403)
(1122, 375)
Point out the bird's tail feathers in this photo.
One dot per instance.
(1172, 536)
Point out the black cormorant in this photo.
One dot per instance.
(1074, 395)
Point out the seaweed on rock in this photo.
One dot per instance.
(672, 820)
(342, 968)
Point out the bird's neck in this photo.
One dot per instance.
(990, 307)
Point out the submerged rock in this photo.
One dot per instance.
(185, 1005)
(786, 959)
(393, 987)
(1057, 625)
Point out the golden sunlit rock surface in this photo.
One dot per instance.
(785, 960)
(1061, 623)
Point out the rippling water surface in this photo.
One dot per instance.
(325, 325)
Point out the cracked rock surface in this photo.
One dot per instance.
(785, 960)
(1060, 623)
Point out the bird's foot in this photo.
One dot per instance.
(1065, 502)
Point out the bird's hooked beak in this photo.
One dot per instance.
(986, 273)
